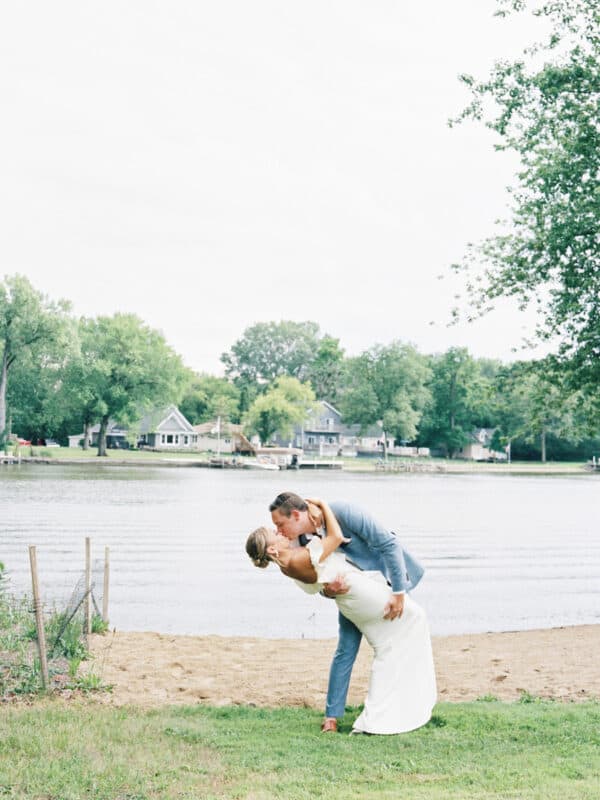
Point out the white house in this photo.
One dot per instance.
(163, 429)
(166, 429)
(479, 447)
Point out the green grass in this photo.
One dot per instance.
(479, 751)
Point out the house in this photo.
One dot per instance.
(325, 434)
(116, 436)
(478, 448)
(164, 429)
(222, 437)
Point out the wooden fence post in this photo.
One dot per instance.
(106, 584)
(39, 616)
(87, 629)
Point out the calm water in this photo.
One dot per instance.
(501, 553)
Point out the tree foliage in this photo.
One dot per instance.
(386, 384)
(535, 402)
(326, 369)
(32, 330)
(209, 397)
(545, 107)
(461, 399)
(267, 350)
(129, 368)
(286, 403)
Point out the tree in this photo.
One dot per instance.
(547, 113)
(209, 397)
(33, 398)
(127, 368)
(461, 396)
(286, 403)
(535, 402)
(31, 327)
(326, 370)
(267, 350)
(386, 385)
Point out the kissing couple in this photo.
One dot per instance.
(341, 552)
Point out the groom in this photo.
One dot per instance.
(371, 547)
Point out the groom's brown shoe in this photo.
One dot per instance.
(329, 725)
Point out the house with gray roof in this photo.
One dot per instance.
(166, 429)
(324, 433)
(162, 429)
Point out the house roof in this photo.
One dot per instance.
(166, 419)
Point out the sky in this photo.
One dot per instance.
(211, 165)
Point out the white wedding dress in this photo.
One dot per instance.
(402, 687)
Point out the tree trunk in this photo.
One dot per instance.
(3, 386)
(102, 436)
(86, 434)
(385, 453)
(543, 444)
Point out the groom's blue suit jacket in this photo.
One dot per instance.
(373, 547)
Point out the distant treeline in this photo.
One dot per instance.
(61, 374)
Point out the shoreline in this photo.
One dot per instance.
(399, 468)
(152, 669)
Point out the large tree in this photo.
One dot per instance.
(32, 328)
(325, 371)
(127, 368)
(545, 107)
(533, 402)
(267, 350)
(461, 399)
(209, 397)
(286, 403)
(386, 385)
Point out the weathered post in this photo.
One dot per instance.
(87, 628)
(39, 616)
(106, 584)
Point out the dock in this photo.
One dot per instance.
(304, 464)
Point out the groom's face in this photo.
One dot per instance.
(291, 527)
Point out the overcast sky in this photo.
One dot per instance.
(208, 165)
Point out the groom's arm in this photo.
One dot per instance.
(356, 522)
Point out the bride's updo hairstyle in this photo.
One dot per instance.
(256, 547)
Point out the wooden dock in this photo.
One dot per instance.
(320, 464)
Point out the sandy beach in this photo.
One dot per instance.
(152, 669)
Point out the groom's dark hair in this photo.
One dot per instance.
(286, 502)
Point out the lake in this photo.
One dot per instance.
(501, 552)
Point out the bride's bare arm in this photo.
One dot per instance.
(334, 536)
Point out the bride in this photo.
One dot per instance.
(402, 688)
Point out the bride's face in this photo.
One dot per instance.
(277, 543)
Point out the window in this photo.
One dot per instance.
(169, 438)
(162, 438)
(185, 439)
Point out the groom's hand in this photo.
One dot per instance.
(394, 607)
(337, 586)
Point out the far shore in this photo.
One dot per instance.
(154, 669)
(120, 458)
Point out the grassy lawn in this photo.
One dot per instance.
(479, 750)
